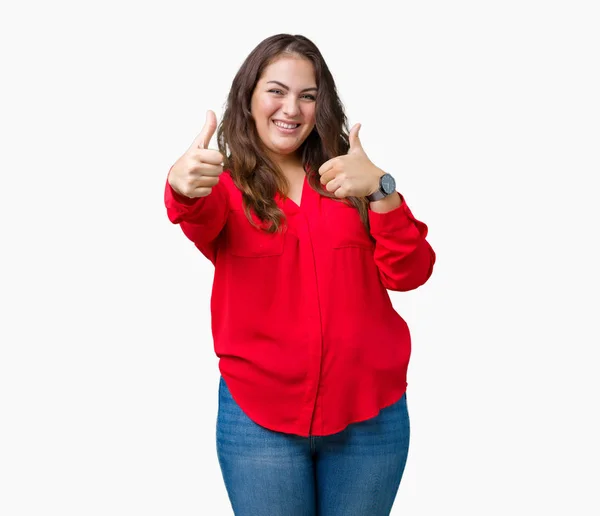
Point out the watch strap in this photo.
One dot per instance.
(376, 196)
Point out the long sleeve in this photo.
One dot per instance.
(403, 256)
(200, 219)
(295, 313)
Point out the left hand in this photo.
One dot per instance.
(353, 174)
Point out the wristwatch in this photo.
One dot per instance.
(387, 186)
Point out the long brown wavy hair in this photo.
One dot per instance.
(257, 176)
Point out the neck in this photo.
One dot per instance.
(288, 161)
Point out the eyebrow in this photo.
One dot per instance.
(314, 88)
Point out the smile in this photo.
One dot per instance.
(285, 125)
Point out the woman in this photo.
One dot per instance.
(306, 235)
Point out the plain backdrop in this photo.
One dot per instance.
(487, 113)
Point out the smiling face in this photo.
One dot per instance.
(283, 104)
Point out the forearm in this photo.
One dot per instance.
(202, 218)
(403, 272)
(403, 256)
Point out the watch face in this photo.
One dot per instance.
(388, 185)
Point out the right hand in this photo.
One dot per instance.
(196, 172)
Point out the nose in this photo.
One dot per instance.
(290, 107)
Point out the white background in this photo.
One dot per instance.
(488, 115)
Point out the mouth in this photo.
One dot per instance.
(286, 127)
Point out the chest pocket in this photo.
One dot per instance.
(344, 227)
(245, 240)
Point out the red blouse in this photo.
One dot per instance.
(307, 338)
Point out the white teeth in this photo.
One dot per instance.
(285, 126)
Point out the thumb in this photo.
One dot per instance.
(210, 126)
(354, 140)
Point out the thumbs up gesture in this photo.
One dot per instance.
(196, 172)
(353, 174)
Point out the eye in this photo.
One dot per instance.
(310, 97)
(275, 91)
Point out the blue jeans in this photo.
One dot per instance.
(355, 472)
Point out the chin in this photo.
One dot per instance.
(284, 151)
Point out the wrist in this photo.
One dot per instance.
(386, 185)
(376, 182)
(389, 203)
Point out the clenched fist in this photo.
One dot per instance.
(196, 172)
